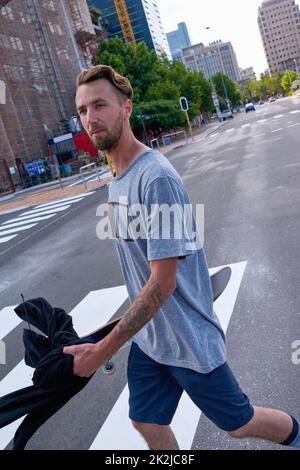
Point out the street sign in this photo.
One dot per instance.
(184, 104)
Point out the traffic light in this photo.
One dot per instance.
(184, 104)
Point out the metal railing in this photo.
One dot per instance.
(81, 170)
(167, 136)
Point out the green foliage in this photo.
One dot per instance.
(224, 86)
(157, 84)
(287, 79)
(261, 89)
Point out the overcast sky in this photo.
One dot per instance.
(229, 20)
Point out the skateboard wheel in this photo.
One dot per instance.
(108, 368)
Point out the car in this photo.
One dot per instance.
(272, 99)
(227, 114)
(249, 107)
(261, 102)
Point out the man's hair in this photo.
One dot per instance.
(121, 84)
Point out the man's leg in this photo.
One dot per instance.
(269, 424)
(158, 437)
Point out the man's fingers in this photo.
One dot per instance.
(69, 350)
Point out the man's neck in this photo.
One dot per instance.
(127, 150)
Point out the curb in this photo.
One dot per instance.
(222, 125)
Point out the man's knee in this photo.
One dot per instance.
(143, 427)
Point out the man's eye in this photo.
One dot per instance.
(82, 111)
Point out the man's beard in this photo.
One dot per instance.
(110, 138)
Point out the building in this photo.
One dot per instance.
(39, 61)
(178, 39)
(247, 75)
(217, 57)
(134, 21)
(279, 25)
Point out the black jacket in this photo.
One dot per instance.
(53, 380)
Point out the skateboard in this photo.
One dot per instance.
(219, 282)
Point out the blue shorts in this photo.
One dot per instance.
(155, 390)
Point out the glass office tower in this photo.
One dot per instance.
(145, 22)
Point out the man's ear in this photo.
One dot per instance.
(127, 109)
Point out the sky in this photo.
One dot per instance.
(229, 20)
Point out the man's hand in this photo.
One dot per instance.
(86, 359)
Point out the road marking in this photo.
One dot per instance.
(16, 229)
(276, 130)
(98, 306)
(6, 239)
(66, 199)
(229, 130)
(261, 120)
(12, 223)
(260, 135)
(42, 211)
(293, 125)
(295, 111)
(278, 116)
(187, 416)
(214, 135)
(8, 320)
(54, 205)
(245, 125)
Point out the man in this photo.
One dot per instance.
(178, 343)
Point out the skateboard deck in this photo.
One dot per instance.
(219, 282)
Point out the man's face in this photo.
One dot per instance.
(101, 113)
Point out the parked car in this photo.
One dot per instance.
(272, 99)
(261, 102)
(227, 114)
(249, 107)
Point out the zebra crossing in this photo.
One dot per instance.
(29, 219)
(116, 432)
(272, 121)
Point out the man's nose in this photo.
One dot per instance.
(91, 116)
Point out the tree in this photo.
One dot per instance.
(226, 88)
(157, 84)
(287, 79)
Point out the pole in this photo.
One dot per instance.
(189, 124)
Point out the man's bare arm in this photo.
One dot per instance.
(154, 294)
(161, 284)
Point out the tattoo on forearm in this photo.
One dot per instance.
(141, 311)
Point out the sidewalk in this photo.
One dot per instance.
(52, 191)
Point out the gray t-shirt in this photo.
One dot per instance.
(185, 332)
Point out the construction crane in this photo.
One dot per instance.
(125, 22)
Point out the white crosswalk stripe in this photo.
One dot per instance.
(296, 111)
(16, 222)
(15, 229)
(66, 199)
(28, 219)
(6, 239)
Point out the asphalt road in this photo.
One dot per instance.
(247, 176)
